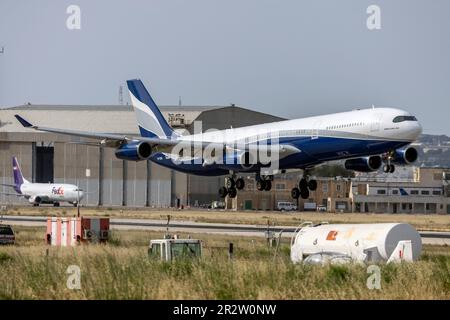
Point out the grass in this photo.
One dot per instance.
(431, 222)
(122, 270)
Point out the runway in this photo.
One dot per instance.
(247, 230)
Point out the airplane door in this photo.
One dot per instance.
(315, 130)
(375, 125)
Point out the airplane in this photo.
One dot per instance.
(366, 138)
(43, 193)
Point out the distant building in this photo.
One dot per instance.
(334, 194)
(425, 190)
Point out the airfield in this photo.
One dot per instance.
(121, 269)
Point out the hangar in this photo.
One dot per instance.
(106, 180)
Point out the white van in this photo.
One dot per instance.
(286, 206)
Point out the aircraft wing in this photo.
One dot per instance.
(7, 185)
(13, 194)
(95, 135)
(114, 140)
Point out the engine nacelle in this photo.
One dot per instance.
(366, 164)
(134, 151)
(36, 199)
(405, 156)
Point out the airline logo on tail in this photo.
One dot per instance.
(18, 177)
(149, 118)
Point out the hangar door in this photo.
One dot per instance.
(44, 164)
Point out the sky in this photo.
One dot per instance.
(290, 58)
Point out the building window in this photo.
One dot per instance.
(280, 186)
(394, 191)
(381, 191)
(338, 187)
(325, 188)
(425, 192)
(416, 192)
(436, 192)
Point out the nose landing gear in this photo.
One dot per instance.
(264, 184)
(388, 168)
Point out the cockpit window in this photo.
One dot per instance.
(81, 190)
(404, 118)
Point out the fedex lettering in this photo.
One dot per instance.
(59, 190)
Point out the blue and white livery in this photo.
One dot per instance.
(365, 138)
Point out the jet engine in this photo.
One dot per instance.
(405, 156)
(134, 151)
(366, 164)
(35, 199)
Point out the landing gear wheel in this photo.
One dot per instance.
(392, 168)
(75, 204)
(56, 204)
(304, 194)
(232, 193)
(295, 193)
(312, 185)
(268, 185)
(303, 184)
(230, 183)
(223, 192)
(240, 183)
(260, 185)
(386, 168)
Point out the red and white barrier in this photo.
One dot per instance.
(73, 231)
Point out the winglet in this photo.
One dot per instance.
(22, 121)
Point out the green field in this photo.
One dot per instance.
(122, 270)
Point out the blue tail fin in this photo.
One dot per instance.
(18, 177)
(150, 120)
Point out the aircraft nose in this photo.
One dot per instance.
(414, 131)
(418, 130)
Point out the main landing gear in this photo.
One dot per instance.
(232, 185)
(304, 187)
(264, 183)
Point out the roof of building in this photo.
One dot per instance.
(106, 107)
(102, 118)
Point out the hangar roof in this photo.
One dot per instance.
(104, 118)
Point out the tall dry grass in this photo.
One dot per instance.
(122, 270)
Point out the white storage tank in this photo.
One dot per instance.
(362, 242)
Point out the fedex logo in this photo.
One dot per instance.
(58, 191)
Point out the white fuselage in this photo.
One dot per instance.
(51, 192)
(366, 124)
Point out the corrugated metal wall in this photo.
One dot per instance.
(106, 180)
